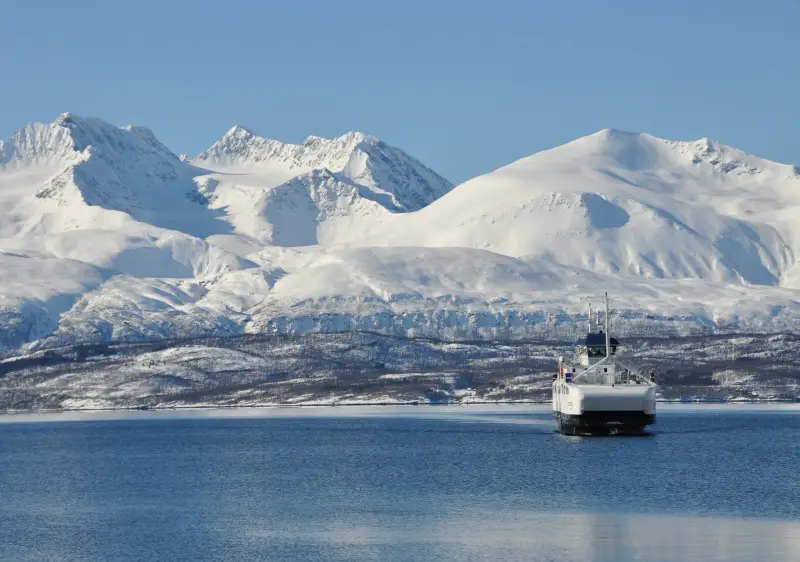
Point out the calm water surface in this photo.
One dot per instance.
(448, 483)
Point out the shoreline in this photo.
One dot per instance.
(511, 405)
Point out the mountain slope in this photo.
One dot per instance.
(626, 203)
(86, 162)
(314, 193)
(401, 182)
(432, 292)
(315, 207)
(81, 189)
(110, 209)
(109, 235)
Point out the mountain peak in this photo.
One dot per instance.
(40, 142)
(69, 119)
(358, 137)
(239, 132)
(611, 132)
(607, 137)
(313, 140)
(70, 136)
(704, 145)
(97, 164)
(637, 151)
(364, 159)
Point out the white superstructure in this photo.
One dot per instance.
(595, 391)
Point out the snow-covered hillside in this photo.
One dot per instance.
(627, 203)
(386, 174)
(316, 192)
(358, 368)
(93, 207)
(105, 234)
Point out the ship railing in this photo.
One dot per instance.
(634, 373)
(592, 371)
(628, 374)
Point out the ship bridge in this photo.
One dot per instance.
(592, 348)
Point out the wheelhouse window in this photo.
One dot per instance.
(600, 350)
(597, 351)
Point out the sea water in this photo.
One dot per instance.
(398, 483)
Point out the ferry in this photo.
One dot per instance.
(595, 392)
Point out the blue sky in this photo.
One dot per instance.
(465, 86)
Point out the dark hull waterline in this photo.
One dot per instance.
(603, 423)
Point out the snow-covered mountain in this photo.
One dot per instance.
(85, 204)
(105, 234)
(386, 174)
(627, 203)
(299, 195)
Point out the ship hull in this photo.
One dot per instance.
(603, 422)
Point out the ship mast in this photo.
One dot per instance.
(608, 337)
